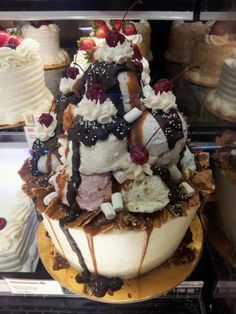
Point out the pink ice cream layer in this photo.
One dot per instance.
(93, 191)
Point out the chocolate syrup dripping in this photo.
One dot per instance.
(74, 248)
(75, 179)
(61, 104)
(171, 126)
(148, 234)
(40, 149)
(175, 196)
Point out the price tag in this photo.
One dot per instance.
(32, 286)
(30, 122)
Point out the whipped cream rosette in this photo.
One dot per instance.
(125, 181)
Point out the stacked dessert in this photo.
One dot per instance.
(209, 54)
(47, 35)
(18, 223)
(225, 175)
(222, 100)
(183, 38)
(126, 181)
(22, 82)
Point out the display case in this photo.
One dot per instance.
(210, 286)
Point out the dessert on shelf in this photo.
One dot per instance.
(221, 101)
(111, 171)
(47, 33)
(225, 176)
(22, 82)
(183, 38)
(18, 222)
(210, 53)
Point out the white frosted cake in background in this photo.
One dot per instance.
(222, 100)
(18, 222)
(210, 53)
(47, 35)
(225, 177)
(183, 38)
(22, 83)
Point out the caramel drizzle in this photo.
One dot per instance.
(148, 232)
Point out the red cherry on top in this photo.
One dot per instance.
(113, 38)
(96, 92)
(117, 24)
(13, 41)
(139, 154)
(4, 36)
(163, 85)
(129, 28)
(86, 44)
(3, 223)
(45, 119)
(72, 72)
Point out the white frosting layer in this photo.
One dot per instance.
(48, 38)
(223, 99)
(22, 85)
(218, 40)
(119, 54)
(142, 197)
(16, 237)
(162, 101)
(91, 111)
(109, 247)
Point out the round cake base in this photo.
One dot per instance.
(56, 66)
(11, 126)
(218, 113)
(152, 284)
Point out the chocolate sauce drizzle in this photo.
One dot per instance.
(175, 197)
(171, 125)
(89, 132)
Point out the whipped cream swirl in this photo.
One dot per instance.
(25, 53)
(43, 132)
(91, 111)
(119, 54)
(162, 101)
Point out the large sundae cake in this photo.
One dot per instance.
(47, 35)
(22, 83)
(209, 54)
(111, 174)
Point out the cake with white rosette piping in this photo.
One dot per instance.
(47, 35)
(222, 100)
(22, 83)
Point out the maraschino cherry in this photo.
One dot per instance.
(45, 119)
(163, 85)
(72, 72)
(139, 154)
(114, 37)
(96, 92)
(3, 223)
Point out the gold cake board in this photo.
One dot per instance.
(152, 284)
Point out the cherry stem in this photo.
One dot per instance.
(152, 136)
(185, 70)
(75, 63)
(136, 2)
